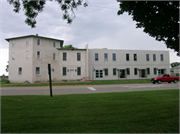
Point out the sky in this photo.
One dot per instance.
(97, 25)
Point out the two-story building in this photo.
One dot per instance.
(30, 55)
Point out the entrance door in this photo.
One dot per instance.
(123, 73)
(71, 74)
(143, 73)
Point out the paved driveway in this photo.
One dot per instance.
(85, 89)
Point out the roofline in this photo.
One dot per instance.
(32, 36)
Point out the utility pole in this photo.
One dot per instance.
(49, 72)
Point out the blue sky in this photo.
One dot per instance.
(97, 25)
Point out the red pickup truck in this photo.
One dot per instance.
(164, 78)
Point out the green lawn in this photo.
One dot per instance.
(122, 112)
(7, 84)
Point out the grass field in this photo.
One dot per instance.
(122, 112)
(7, 84)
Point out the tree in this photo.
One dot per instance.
(7, 67)
(158, 18)
(32, 8)
(68, 47)
(174, 64)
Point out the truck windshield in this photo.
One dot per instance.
(160, 75)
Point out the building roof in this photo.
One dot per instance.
(61, 41)
(70, 49)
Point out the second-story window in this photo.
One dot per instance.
(38, 41)
(54, 44)
(38, 54)
(114, 56)
(127, 57)
(147, 57)
(13, 56)
(54, 56)
(27, 54)
(96, 57)
(162, 58)
(105, 57)
(154, 57)
(27, 41)
(13, 43)
(78, 56)
(135, 57)
(64, 56)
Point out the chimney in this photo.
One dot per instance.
(36, 34)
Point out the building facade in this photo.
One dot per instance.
(30, 55)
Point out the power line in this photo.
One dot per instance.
(103, 7)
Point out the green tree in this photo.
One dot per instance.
(158, 18)
(68, 47)
(32, 8)
(7, 67)
(174, 64)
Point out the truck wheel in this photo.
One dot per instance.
(159, 81)
(175, 81)
(169, 82)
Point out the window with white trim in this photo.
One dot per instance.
(106, 71)
(64, 71)
(154, 57)
(78, 56)
(114, 56)
(38, 54)
(37, 70)
(38, 41)
(78, 70)
(64, 56)
(96, 57)
(54, 44)
(27, 54)
(162, 57)
(105, 56)
(27, 41)
(13, 43)
(114, 71)
(54, 56)
(20, 70)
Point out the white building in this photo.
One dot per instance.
(30, 55)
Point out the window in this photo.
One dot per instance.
(64, 56)
(54, 44)
(147, 57)
(155, 70)
(135, 57)
(162, 58)
(13, 43)
(27, 41)
(128, 71)
(38, 42)
(20, 70)
(154, 57)
(37, 70)
(78, 70)
(27, 54)
(13, 56)
(148, 70)
(105, 57)
(106, 71)
(38, 54)
(64, 71)
(96, 57)
(114, 57)
(114, 71)
(54, 56)
(78, 56)
(135, 71)
(99, 73)
(127, 57)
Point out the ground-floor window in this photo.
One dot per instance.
(78, 70)
(37, 70)
(106, 71)
(155, 70)
(99, 73)
(64, 71)
(114, 71)
(20, 70)
(135, 71)
(128, 71)
(148, 70)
